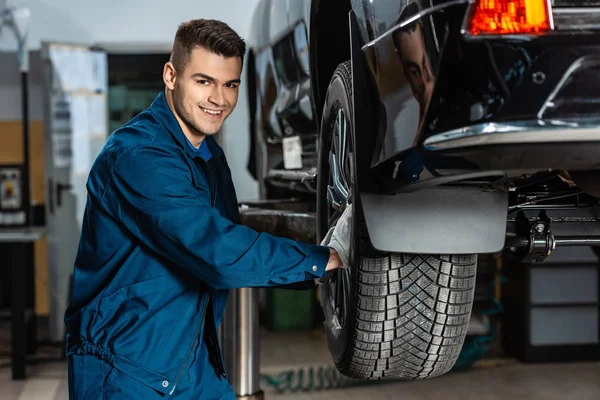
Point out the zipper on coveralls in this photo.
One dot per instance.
(215, 348)
(209, 174)
(212, 202)
(215, 355)
(187, 357)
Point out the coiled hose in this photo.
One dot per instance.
(327, 377)
(311, 378)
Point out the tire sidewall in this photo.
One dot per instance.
(337, 97)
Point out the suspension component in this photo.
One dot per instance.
(532, 238)
(541, 240)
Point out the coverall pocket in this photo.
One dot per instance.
(141, 289)
(93, 378)
(120, 386)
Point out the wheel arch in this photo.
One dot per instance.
(329, 35)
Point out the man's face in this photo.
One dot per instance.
(413, 56)
(205, 92)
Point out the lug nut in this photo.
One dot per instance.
(538, 77)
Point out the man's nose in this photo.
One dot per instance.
(217, 97)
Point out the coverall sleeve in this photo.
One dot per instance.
(161, 205)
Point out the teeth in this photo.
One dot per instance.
(211, 111)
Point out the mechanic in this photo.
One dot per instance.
(161, 239)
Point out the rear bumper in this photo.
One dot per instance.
(525, 145)
(576, 18)
(520, 132)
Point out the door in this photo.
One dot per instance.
(75, 121)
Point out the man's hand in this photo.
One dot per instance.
(338, 240)
(334, 260)
(339, 236)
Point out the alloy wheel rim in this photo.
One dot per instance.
(339, 195)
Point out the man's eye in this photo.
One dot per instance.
(203, 82)
(231, 85)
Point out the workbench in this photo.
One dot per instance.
(19, 247)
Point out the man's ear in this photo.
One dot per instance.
(169, 75)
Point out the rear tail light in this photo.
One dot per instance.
(509, 17)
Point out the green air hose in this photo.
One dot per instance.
(315, 378)
(326, 377)
(311, 378)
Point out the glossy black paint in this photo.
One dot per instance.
(280, 105)
(420, 76)
(428, 78)
(329, 46)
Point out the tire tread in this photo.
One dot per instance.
(412, 315)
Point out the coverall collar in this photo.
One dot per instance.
(160, 108)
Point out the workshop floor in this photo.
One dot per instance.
(490, 380)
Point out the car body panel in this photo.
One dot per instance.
(404, 79)
(423, 92)
(446, 82)
(298, 11)
(283, 101)
(269, 23)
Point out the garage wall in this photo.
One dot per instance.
(117, 24)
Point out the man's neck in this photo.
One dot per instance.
(195, 140)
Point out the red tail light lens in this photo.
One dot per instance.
(512, 17)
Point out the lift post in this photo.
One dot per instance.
(240, 337)
(241, 343)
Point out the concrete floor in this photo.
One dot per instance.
(505, 379)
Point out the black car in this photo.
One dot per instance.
(455, 128)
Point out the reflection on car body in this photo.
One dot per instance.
(412, 52)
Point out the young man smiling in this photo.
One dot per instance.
(161, 242)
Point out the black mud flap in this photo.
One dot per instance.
(441, 220)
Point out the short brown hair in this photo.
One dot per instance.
(212, 35)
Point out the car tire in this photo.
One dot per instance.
(387, 315)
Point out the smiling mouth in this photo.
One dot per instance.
(212, 113)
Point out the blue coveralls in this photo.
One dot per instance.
(160, 246)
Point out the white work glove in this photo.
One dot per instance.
(338, 237)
